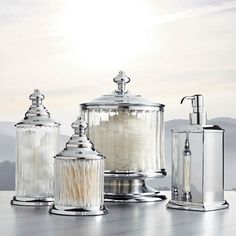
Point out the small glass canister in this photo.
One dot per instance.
(37, 143)
(79, 177)
(129, 130)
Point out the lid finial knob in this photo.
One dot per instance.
(79, 126)
(79, 139)
(36, 97)
(37, 114)
(121, 79)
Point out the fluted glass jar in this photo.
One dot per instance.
(37, 143)
(79, 176)
(129, 130)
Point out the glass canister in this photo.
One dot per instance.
(129, 130)
(37, 143)
(79, 176)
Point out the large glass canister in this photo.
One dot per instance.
(197, 163)
(79, 176)
(129, 130)
(37, 143)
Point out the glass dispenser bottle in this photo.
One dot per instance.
(129, 130)
(79, 176)
(198, 163)
(37, 142)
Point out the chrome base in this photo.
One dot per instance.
(73, 211)
(191, 206)
(23, 201)
(130, 190)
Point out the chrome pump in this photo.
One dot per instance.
(198, 116)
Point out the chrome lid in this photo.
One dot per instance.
(37, 113)
(79, 146)
(121, 98)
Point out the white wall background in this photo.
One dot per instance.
(71, 50)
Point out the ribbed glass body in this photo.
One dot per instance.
(36, 147)
(79, 183)
(131, 140)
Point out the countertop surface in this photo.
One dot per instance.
(123, 219)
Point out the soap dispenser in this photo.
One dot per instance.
(197, 163)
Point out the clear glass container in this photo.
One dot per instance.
(129, 130)
(198, 164)
(37, 143)
(35, 148)
(79, 177)
(131, 139)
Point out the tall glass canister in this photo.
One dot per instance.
(129, 130)
(79, 177)
(37, 143)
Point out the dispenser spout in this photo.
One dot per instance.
(197, 117)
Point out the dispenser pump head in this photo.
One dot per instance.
(197, 117)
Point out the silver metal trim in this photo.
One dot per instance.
(120, 106)
(130, 190)
(122, 99)
(37, 114)
(37, 122)
(200, 129)
(188, 206)
(133, 174)
(121, 79)
(73, 211)
(198, 116)
(33, 202)
(79, 146)
(156, 197)
(79, 157)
